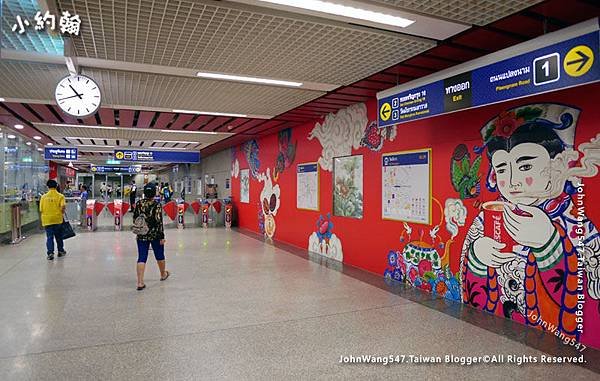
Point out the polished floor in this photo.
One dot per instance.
(234, 308)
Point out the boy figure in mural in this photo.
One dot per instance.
(533, 275)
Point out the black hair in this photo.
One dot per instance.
(52, 184)
(536, 132)
(149, 191)
(84, 187)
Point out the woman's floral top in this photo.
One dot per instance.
(153, 212)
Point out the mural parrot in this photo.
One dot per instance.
(464, 174)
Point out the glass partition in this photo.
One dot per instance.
(23, 173)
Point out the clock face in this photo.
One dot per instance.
(78, 95)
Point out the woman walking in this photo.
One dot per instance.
(148, 226)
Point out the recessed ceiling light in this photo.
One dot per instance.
(39, 149)
(19, 126)
(2, 99)
(210, 113)
(36, 137)
(28, 143)
(241, 78)
(49, 144)
(11, 136)
(345, 11)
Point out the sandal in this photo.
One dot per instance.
(141, 288)
(166, 276)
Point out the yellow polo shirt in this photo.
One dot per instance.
(51, 208)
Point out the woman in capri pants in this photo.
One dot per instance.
(155, 237)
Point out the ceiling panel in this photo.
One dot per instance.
(476, 12)
(124, 135)
(226, 37)
(36, 81)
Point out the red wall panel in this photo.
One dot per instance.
(366, 242)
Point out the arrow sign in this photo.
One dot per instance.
(385, 111)
(581, 61)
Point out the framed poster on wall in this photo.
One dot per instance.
(307, 186)
(348, 186)
(406, 186)
(245, 186)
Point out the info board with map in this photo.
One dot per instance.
(406, 186)
(307, 186)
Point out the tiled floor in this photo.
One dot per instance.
(234, 308)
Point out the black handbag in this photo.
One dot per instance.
(66, 229)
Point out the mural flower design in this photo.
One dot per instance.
(322, 241)
(507, 123)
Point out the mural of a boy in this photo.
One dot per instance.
(533, 273)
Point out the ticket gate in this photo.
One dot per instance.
(228, 213)
(118, 209)
(205, 207)
(181, 208)
(93, 208)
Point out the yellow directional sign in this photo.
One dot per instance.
(119, 155)
(385, 112)
(578, 60)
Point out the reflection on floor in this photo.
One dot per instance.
(234, 308)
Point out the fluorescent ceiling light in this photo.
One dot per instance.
(49, 144)
(175, 141)
(241, 78)
(2, 99)
(28, 143)
(191, 132)
(210, 113)
(36, 137)
(39, 149)
(11, 136)
(19, 126)
(92, 145)
(80, 125)
(345, 11)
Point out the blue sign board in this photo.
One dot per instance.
(116, 169)
(158, 156)
(565, 64)
(305, 168)
(60, 153)
(412, 158)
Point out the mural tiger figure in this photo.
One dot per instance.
(520, 257)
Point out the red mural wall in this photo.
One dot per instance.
(370, 242)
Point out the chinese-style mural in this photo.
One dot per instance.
(515, 190)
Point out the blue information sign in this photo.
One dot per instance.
(565, 64)
(305, 168)
(60, 153)
(158, 156)
(116, 169)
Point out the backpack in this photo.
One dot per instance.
(140, 226)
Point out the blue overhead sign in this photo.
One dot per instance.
(565, 64)
(116, 169)
(158, 156)
(60, 153)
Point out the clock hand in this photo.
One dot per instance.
(72, 96)
(76, 93)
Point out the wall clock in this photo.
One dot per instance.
(78, 95)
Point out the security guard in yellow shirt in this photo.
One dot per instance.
(52, 209)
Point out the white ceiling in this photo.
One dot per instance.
(180, 37)
(95, 139)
